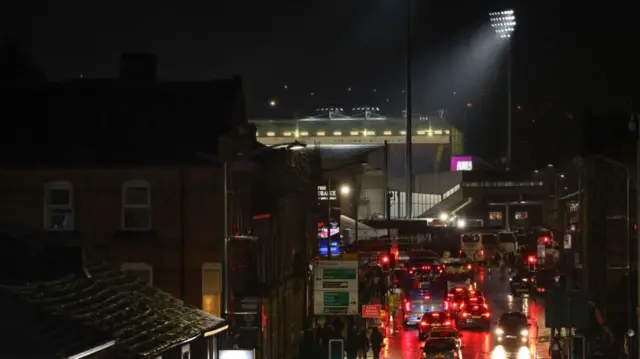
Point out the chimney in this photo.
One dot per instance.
(138, 67)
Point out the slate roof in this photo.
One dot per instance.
(28, 332)
(143, 320)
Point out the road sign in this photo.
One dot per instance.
(332, 275)
(542, 250)
(566, 310)
(371, 310)
(335, 303)
(336, 349)
(567, 241)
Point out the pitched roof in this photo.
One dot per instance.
(143, 320)
(28, 332)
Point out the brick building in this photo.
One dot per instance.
(123, 174)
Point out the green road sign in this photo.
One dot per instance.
(336, 349)
(339, 274)
(336, 299)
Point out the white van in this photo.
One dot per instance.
(508, 242)
(471, 245)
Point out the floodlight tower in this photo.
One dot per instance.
(504, 23)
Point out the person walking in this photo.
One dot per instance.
(362, 343)
(351, 345)
(376, 342)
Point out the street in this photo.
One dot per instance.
(480, 345)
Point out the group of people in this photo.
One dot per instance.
(356, 344)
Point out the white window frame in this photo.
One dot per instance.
(125, 206)
(186, 349)
(58, 185)
(211, 266)
(126, 267)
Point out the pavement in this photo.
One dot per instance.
(404, 344)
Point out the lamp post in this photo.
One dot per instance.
(344, 190)
(504, 23)
(409, 130)
(225, 195)
(634, 126)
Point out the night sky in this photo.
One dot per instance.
(564, 55)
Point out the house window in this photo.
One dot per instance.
(141, 271)
(211, 288)
(186, 351)
(58, 206)
(521, 216)
(136, 206)
(495, 216)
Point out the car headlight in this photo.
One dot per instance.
(524, 332)
(499, 331)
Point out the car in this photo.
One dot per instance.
(474, 313)
(432, 320)
(512, 329)
(446, 333)
(456, 297)
(521, 284)
(475, 293)
(441, 348)
(419, 302)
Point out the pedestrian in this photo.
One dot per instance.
(555, 349)
(351, 345)
(376, 342)
(362, 343)
(338, 326)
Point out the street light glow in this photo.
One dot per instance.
(503, 22)
(272, 103)
(345, 190)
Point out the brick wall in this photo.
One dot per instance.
(97, 205)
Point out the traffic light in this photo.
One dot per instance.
(336, 349)
(385, 260)
(532, 259)
(546, 240)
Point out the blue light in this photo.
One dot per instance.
(335, 247)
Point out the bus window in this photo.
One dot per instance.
(470, 238)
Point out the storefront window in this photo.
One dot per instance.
(521, 216)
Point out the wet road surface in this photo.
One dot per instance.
(480, 345)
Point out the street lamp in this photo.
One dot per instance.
(343, 190)
(504, 23)
(225, 195)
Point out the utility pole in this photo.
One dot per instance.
(634, 125)
(329, 216)
(409, 130)
(387, 200)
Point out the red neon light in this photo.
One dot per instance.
(261, 216)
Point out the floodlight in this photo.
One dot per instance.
(503, 22)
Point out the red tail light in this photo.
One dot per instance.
(461, 306)
(446, 305)
(423, 324)
(446, 323)
(465, 315)
(407, 306)
(486, 315)
(541, 290)
(473, 299)
(475, 307)
(485, 306)
(435, 315)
